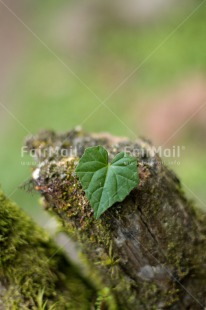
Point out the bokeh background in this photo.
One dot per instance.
(131, 68)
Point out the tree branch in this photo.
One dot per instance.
(149, 249)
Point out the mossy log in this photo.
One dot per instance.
(150, 249)
(34, 274)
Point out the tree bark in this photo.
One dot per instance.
(150, 249)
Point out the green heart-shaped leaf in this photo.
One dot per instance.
(105, 183)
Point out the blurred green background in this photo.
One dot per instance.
(56, 58)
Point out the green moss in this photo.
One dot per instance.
(105, 298)
(32, 266)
